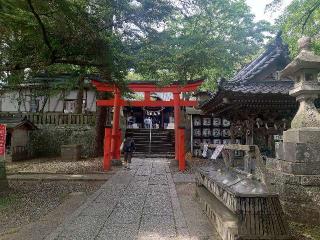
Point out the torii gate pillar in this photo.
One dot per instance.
(116, 134)
(176, 101)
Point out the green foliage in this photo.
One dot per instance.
(7, 200)
(132, 76)
(63, 35)
(301, 18)
(210, 40)
(47, 142)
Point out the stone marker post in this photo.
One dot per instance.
(296, 171)
(3, 176)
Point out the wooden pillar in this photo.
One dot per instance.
(115, 124)
(176, 102)
(107, 149)
(182, 158)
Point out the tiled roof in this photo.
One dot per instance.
(266, 86)
(276, 51)
(259, 77)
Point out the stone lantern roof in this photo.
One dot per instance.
(305, 60)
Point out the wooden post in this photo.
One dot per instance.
(182, 158)
(115, 124)
(176, 102)
(107, 149)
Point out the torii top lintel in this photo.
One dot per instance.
(147, 88)
(150, 87)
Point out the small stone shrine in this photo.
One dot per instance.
(296, 169)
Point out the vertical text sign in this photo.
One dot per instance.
(2, 139)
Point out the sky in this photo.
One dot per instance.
(258, 6)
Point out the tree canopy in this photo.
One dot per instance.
(164, 40)
(300, 18)
(206, 39)
(47, 35)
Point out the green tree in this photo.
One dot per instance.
(300, 18)
(91, 36)
(207, 39)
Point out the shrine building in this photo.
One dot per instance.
(255, 104)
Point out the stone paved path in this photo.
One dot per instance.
(138, 204)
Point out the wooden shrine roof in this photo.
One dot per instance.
(14, 123)
(256, 85)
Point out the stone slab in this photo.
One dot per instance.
(102, 209)
(157, 226)
(302, 135)
(83, 227)
(71, 152)
(298, 152)
(298, 168)
(287, 178)
(124, 216)
(119, 232)
(184, 178)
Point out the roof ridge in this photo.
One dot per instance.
(273, 50)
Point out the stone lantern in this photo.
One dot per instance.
(304, 69)
(296, 170)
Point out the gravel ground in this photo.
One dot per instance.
(55, 165)
(28, 201)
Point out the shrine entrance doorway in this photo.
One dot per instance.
(113, 134)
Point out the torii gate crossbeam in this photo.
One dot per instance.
(113, 136)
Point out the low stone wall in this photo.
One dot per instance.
(299, 194)
(47, 141)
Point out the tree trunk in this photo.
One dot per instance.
(79, 103)
(102, 113)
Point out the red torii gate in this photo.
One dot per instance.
(113, 136)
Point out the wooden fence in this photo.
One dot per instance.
(54, 118)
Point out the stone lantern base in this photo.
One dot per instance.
(295, 174)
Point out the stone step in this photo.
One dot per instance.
(162, 141)
(137, 143)
(153, 155)
(154, 150)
